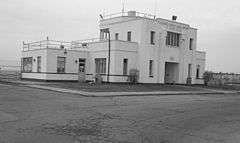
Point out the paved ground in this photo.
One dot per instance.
(30, 115)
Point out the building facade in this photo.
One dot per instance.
(163, 51)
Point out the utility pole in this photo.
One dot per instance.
(109, 55)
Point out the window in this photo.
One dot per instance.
(191, 44)
(27, 64)
(81, 68)
(150, 68)
(116, 36)
(189, 70)
(100, 65)
(129, 36)
(173, 39)
(61, 62)
(125, 66)
(198, 72)
(152, 37)
(39, 61)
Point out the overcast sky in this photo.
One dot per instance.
(217, 21)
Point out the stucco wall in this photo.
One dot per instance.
(34, 54)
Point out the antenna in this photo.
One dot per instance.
(155, 8)
(123, 5)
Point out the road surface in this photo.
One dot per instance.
(29, 115)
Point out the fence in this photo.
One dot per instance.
(10, 72)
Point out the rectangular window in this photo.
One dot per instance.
(61, 63)
(27, 64)
(150, 68)
(191, 44)
(100, 64)
(173, 39)
(39, 62)
(198, 72)
(129, 36)
(152, 37)
(125, 66)
(116, 36)
(189, 70)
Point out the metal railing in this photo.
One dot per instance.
(138, 14)
(54, 44)
(46, 44)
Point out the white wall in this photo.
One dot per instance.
(34, 54)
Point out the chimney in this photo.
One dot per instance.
(174, 17)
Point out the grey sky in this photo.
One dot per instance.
(30, 20)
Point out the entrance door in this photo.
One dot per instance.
(81, 70)
(171, 72)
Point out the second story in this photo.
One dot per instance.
(148, 31)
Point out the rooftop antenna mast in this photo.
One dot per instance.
(155, 8)
(123, 6)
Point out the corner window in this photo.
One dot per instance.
(100, 65)
(39, 62)
(150, 68)
(116, 36)
(125, 66)
(129, 36)
(61, 62)
(173, 39)
(27, 64)
(191, 44)
(152, 37)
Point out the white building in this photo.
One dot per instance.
(163, 51)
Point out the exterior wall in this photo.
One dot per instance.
(49, 64)
(117, 54)
(34, 54)
(138, 52)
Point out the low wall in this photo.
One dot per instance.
(50, 76)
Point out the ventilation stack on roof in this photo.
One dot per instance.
(132, 13)
(174, 17)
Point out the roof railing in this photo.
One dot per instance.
(138, 14)
(54, 44)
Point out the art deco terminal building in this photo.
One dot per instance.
(163, 51)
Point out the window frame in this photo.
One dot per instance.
(100, 65)
(152, 37)
(151, 62)
(116, 36)
(60, 68)
(189, 70)
(198, 72)
(173, 39)
(39, 64)
(129, 36)
(191, 43)
(29, 62)
(125, 66)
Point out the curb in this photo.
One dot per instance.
(116, 94)
(121, 94)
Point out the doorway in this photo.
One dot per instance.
(171, 73)
(81, 69)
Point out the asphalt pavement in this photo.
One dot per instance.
(31, 115)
